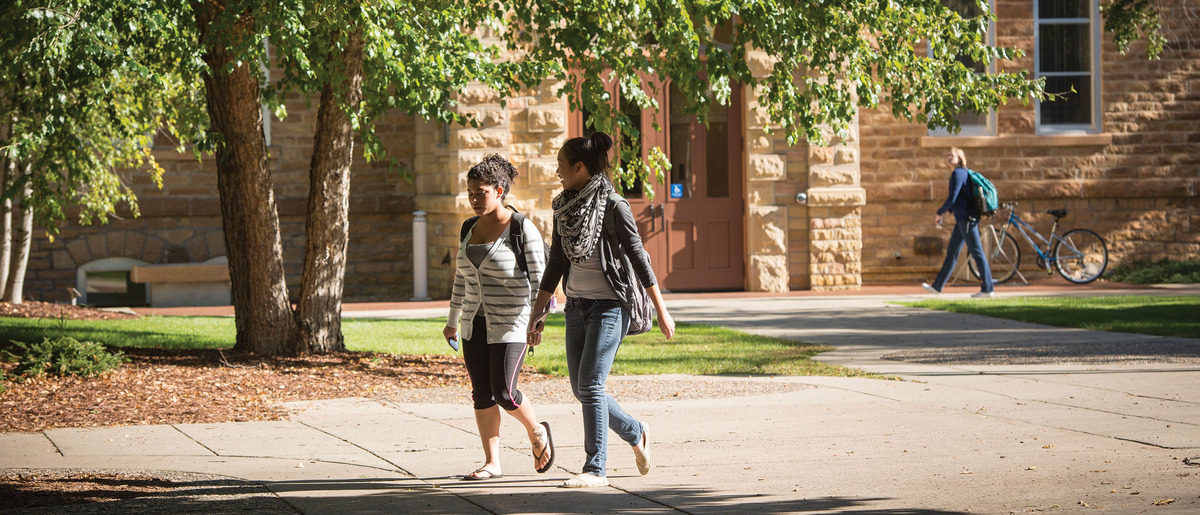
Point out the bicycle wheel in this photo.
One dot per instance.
(1080, 256)
(1003, 257)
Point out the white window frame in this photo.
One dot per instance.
(1094, 52)
(988, 128)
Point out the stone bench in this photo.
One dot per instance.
(184, 284)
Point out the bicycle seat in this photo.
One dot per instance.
(1057, 213)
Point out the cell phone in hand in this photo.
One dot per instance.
(453, 343)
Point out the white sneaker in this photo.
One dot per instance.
(983, 295)
(585, 480)
(642, 454)
(930, 289)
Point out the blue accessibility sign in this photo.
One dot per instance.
(677, 190)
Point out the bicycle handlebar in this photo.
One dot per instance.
(1010, 204)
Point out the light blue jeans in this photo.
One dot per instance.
(594, 332)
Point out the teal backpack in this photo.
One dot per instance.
(984, 200)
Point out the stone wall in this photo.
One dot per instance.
(528, 129)
(1135, 182)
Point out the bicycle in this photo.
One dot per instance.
(1079, 255)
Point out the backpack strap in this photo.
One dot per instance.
(516, 237)
(610, 227)
(466, 228)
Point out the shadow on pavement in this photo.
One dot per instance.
(935, 337)
(86, 495)
(516, 495)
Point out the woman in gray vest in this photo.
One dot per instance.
(597, 319)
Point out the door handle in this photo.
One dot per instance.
(662, 214)
(652, 230)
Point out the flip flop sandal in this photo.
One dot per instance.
(547, 447)
(482, 474)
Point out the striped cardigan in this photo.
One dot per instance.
(497, 288)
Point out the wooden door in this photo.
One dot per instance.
(704, 204)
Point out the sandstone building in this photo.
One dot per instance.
(1122, 154)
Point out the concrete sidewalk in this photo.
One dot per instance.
(1029, 435)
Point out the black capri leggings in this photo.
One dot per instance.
(493, 369)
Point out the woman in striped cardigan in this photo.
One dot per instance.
(492, 296)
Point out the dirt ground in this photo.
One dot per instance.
(24, 491)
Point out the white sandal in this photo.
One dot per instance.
(642, 454)
(585, 480)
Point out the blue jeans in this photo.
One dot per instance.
(594, 332)
(965, 230)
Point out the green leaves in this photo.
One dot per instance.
(1131, 20)
(83, 74)
(84, 95)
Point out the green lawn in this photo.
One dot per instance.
(696, 349)
(1162, 316)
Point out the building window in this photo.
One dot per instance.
(1066, 43)
(105, 282)
(972, 123)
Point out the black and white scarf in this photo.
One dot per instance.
(578, 217)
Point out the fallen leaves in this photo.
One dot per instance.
(36, 309)
(162, 386)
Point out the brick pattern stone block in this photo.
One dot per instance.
(768, 273)
(550, 118)
(768, 230)
(767, 167)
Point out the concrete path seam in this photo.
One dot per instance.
(655, 501)
(52, 443)
(1085, 408)
(198, 442)
(364, 449)
(398, 468)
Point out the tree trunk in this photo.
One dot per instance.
(6, 229)
(319, 314)
(264, 319)
(22, 239)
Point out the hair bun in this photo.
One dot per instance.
(600, 142)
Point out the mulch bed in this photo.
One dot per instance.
(35, 309)
(159, 386)
(204, 386)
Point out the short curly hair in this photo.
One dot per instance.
(495, 171)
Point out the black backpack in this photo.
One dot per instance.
(516, 238)
(634, 296)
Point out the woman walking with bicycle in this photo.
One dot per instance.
(966, 227)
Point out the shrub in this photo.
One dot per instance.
(63, 356)
(1166, 271)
